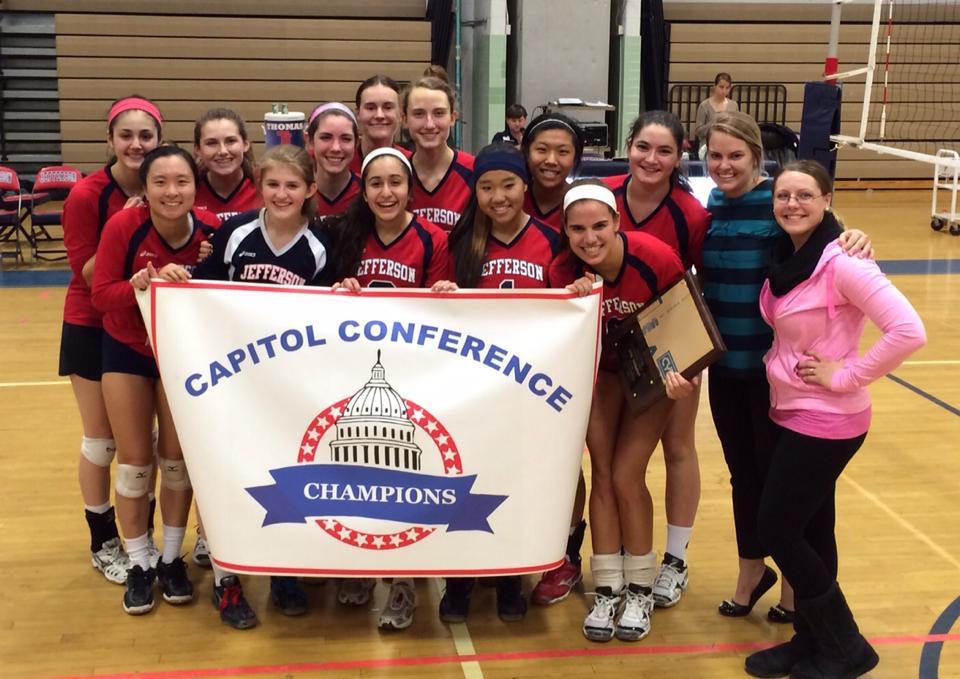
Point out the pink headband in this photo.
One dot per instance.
(332, 106)
(134, 104)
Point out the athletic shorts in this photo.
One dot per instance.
(119, 358)
(81, 349)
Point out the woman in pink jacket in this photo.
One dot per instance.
(817, 301)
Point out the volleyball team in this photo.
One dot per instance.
(354, 210)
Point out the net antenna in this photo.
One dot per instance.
(911, 98)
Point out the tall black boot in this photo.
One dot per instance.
(841, 651)
(781, 659)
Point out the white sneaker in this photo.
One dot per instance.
(154, 552)
(400, 605)
(671, 581)
(599, 623)
(112, 561)
(634, 622)
(355, 591)
(201, 553)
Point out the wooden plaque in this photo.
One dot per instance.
(674, 331)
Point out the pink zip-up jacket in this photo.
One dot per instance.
(826, 313)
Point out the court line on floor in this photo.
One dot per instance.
(503, 656)
(943, 362)
(462, 642)
(49, 383)
(906, 525)
(930, 653)
(920, 392)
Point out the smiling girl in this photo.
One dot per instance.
(331, 140)
(553, 146)
(441, 176)
(137, 242)
(378, 117)
(222, 149)
(635, 267)
(133, 129)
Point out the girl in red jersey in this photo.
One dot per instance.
(380, 243)
(135, 243)
(222, 149)
(653, 199)
(496, 245)
(331, 140)
(441, 176)
(133, 129)
(553, 146)
(635, 267)
(378, 117)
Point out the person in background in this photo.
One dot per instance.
(516, 120)
(718, 102)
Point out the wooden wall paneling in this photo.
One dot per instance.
(95, 110)
(225, 91)
(413, 9)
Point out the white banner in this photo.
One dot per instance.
(385, 433)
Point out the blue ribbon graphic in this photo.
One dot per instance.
(315, 490)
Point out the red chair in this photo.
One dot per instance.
(11, 224)
(55, 183)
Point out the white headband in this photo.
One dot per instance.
(590, 192)
(384, 151)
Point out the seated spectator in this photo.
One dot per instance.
(516, 122)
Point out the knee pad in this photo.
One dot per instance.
(98, 451)
(133, 480)
(173, 474)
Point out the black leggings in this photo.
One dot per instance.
(740, 409)
(797, 511)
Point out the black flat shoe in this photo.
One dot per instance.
(780, 615)
(732, 609)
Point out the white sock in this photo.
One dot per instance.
(138, 552)
(218, 573)
(172, 542)
(607, 571)
(678, 537)
(98, 509)
(640, 570)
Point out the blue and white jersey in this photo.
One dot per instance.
(242, 251)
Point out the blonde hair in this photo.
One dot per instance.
(297, 160)
(740, 126)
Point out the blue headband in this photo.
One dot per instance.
(495, 159)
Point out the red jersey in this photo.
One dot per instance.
(649, 267)
(551, 218)
(680, 220)
(357, 161)
(130, 241)
(338, 204)
(417, 258)
(242, 199)
(444, 205)
(522, 263)
(91, 203)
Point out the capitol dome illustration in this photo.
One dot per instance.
(374, 429)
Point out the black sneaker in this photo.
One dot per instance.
(511, 604)
(174, 584)
(138, 599)
(234, 609)
(287, 595)
(455, 604)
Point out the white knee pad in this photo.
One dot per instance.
(133, 480)
(98, 451)
(173, 474)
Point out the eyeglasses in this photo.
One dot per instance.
(804, 197)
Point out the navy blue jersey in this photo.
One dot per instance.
(243, 252)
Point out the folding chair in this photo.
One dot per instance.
(11, 224)
(55, 183)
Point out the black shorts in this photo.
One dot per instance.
(81, 349)
(119, 358)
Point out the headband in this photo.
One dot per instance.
(496, 159)
(556, 121)
(134, 104)
(332, 106)
(590, 192)
(385, 151)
